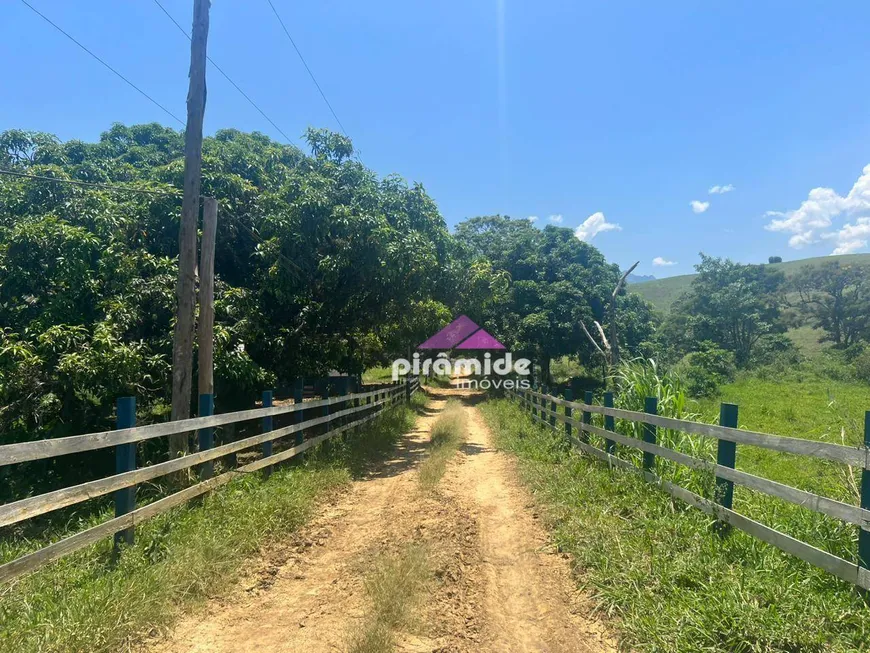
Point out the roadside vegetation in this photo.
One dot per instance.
(656, 566)
(395, 588)
(446, 436)
(85, 603)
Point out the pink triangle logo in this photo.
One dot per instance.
(462, 333)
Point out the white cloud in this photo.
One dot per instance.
(594, 225)
(818, 212)
(851, 237)
(662, 262)
(556, 218)
(698, 206)
(721, 190)
(532, 218)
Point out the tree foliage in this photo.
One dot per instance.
(556, 282)
(729, 305)
(320, 265)
(836, 298)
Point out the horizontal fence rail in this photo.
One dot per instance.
(543, 409)
(39, 449)
(357, 409)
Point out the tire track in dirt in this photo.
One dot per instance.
(496, 587)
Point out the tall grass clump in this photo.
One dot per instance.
(395, 587)
(85, 603)
(446, 436)
(634, 381)
(658, 567)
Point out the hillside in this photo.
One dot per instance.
(663, 292)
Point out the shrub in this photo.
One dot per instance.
(706, 369)
(862, 366)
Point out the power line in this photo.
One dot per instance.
(90, 184)
(70, 37)
(227, 77)
(311, 74)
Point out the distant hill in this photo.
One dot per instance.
(640, 278)
(661, 293)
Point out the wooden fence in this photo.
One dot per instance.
(544, 409)
(339, 414)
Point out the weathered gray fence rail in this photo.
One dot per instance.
(544, 409)
(354, 410)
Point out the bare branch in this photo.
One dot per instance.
(591, 339)
(603, 337)
(622, 282)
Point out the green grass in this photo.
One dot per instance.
(663, 292)
(655, 565)
(439, 381)
(807, 341)
(799, 404)
(378, 375)
(83, 603)
(395, 587)
(446, 436)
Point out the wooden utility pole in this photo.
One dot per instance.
(206, 297)
(182, 345)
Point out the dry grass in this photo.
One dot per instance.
(395, 586)
(446, 436)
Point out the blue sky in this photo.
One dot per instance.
(603, 113)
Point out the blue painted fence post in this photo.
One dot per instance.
(569, 396)
(125, 461)
(864, 535)
(587, 416)
(609, 424)
(651, 406)
(267, 427)
(726, 456)
(206, 435)
(298, 398)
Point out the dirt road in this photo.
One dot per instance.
(498, 586)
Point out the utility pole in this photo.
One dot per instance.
(206, 297)
(182, 345)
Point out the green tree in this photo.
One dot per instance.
(556, 283)
(732, 306)
(836, 298)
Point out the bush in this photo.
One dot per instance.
(706, 369)
(862, 366)
(775, 348)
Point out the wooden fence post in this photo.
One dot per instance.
(552, 412)
(343, 390)
(864, 535)
(587, 415)
(649, 434)
(206, 435)
(266, 427)
(125, 461)
(298, 399)
(609, 424)
(726, 456)
(328, 425)
(534, 400)
(569, 396)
